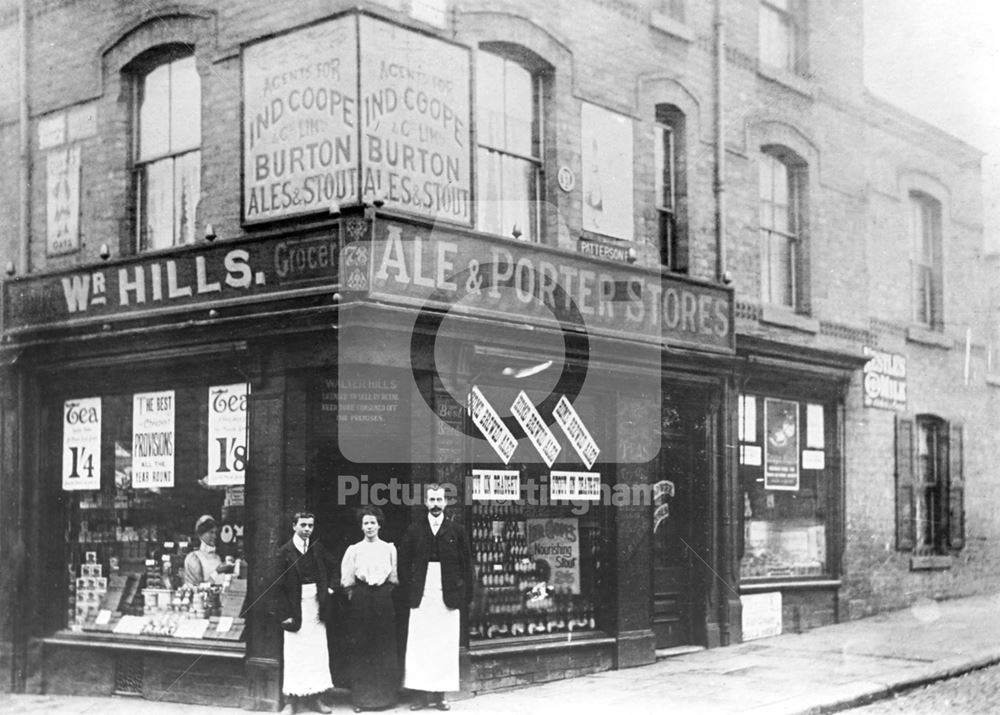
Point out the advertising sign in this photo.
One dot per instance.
(81, 463)
(534, 426)
(153, 439)
(761, 615)
(227, 434)
(576, 431)
(300, 114)
(575, 486)
(781, 444)
(491, 426)
(554, 544)
(885, 380)
(496, 484)
(415, 122)
(62, 200)
(607, 172)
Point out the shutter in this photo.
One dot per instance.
(904, 484)
(956, 488)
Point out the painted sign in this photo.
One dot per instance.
(227, 434)
(885, 380)
(153, 439)
(607, 172)
(534, 426)
(205, 275)
(607, 251)
(576, 432)
(575, 486)
(300, 115)
(482, 276)
(81, 462)
(781, 444)
(496, 485)
(373, 416)
(62, 200)
(415, 122)
(761, 615)
(491, 426)
(554, 546)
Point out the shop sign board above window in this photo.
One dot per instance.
(885, 380)
(323, 131)
(81, 467)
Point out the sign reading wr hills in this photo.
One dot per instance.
(204, 276)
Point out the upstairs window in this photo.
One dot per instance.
(779, 229)
(779, 29)
(167, 153)
(925, 229)
(670, 185)
(509, 154)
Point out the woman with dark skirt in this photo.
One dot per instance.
(368, 572)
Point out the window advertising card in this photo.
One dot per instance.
(153, 439)
(227, 434)
(781, 444)
(81, 464)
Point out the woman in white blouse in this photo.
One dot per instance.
(368, 572)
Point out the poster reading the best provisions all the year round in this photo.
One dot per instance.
(153, 439)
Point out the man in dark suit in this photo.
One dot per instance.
(435, 565)
(302, 605)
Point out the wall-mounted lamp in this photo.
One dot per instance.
(104, 252)
(516, 232)
(209, 232)
(727, 278)
(334, 208)
(379, 201)
(10, 268)
(336, 297)
(631, 255)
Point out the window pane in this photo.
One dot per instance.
(489, 99)
(775, 38)
(187, 192)
(779, 269)
(488, 192)
(154, 113)
(519, 191)
(519, 109)
(664, 158)
(185, 105)
(156, 204)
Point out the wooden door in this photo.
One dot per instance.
(672, 545)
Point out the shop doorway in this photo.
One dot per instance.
(673, 547)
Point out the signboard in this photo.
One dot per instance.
(153, 439)
(576, 432)
(489, 277)
(885, 380)
(373, 416)
(607, 172)
(81, 463)
(575, 486)
(534, 426)
(761, 615)
(415, 122)
(781, 444)
(607, 251)
(496, 485)
(492, 427)
(227, 434)
(62, 200)
(204, 275)
(300, 121)
(554, 544)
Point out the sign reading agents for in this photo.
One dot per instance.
(81, 466)
(885, 380)
(496, 484)
(227, 434)
(554, 545)
(153, 439)
(781, 444)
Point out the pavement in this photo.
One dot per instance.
(823, 670)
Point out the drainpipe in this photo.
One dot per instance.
(25, 168)
(720, 147)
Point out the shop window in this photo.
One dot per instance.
(509, 163)
(925, 229)
(671, 191)
(786, 489)
(147, 478)
(781, 34)
(930, 487)
(781, 177)
(167, 151)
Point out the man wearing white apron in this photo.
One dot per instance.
(435, 564)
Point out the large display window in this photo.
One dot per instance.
(153, 487)
(785, 487)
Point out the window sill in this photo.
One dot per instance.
(787, 79)
(993, 380)
(668, 25)
(930, 563)
(776, 315)
(148, 644)
(772, 584)
(504, 646)
(926, 336)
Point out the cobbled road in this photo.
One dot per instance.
(975, 693)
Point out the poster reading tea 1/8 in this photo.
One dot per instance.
(300, 130)
(415, 126)
(153, 439)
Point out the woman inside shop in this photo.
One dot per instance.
(204, 565)
(368, 572)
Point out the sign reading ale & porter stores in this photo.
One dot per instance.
(320, 129)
